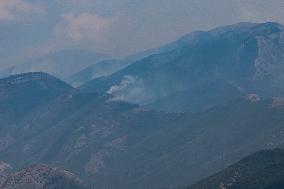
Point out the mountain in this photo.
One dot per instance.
(114, 144)
(262, 170)
(108, 67)
(62, 64)
(191, 147)
(102, 68)
(48, 121)
(40, 177)
(24, 92)
(203, 69)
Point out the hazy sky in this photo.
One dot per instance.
(31, 28)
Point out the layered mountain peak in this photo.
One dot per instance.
(269, 27)
(41, 79)
(253, 28)
(243, 29)
(26, 77)
(22, 92)
(62, 63)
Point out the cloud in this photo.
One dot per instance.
(72, 31)
(17, 9)
(83, 28)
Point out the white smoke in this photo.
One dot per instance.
(131, 89)
(253, 97)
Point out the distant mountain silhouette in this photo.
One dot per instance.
(62, 64)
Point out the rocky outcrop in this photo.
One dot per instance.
(41, 177)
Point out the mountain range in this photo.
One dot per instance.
(203, 69)
(115, 144)
(62, 64)
(77, 66)
(168, 117)
(107, 67)
(261, 170)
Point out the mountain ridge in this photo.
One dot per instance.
(263, 169)
(223, 63)
(111, 143)
(61, 64)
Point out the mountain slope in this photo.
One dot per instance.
(40, 177)
(21, 93)
(262, 170)
(192, 147)
(113, 144)
(97, 70)
(74, 130)
(203, 69)
(108, 67)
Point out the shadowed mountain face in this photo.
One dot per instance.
(40, 177)
(262, 170)
(113, 144)
(203, 69)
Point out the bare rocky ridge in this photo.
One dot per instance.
(41, 177)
